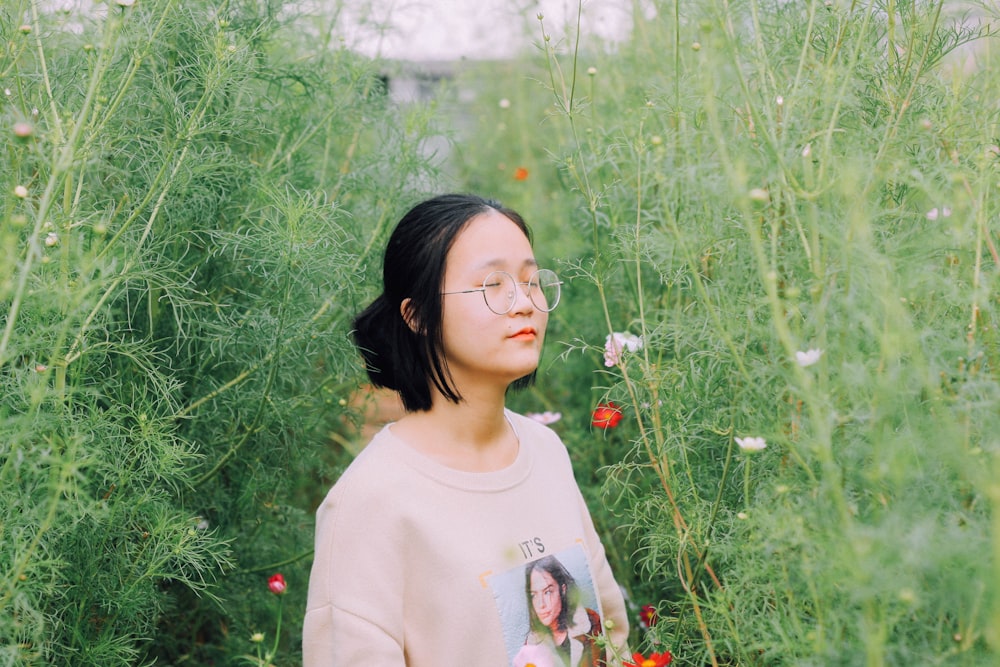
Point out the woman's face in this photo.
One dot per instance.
(480, 346)
(546, 598)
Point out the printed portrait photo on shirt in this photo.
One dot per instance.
(549, 611)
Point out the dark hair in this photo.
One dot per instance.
(396, 356)
(565, 582)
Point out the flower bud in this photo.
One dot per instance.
(276, 584)
(23, 130)
(51, 239)
(591, 71)
(25, 29)
(696, 46)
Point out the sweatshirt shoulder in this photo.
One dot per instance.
(541, 436)
(372, 471)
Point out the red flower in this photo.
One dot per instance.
(276, 584)
(520, 174)
(654, 660)
(606, 415)
(648, 617)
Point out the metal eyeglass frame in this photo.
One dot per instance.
(527, 292)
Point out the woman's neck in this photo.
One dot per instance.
(472, 435)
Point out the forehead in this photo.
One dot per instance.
(490, 239)
(540, 578)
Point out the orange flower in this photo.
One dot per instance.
(520, 174)
(654, 660)
(606, 415)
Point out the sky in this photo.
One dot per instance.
(430, 30)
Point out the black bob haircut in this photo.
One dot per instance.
(397, 357)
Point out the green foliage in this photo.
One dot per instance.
(188, 217)
(756, 180)
(191, 211)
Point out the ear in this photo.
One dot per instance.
(406, 310)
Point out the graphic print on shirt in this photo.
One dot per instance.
(550, 612)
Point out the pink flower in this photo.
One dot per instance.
(606, 415)
(616, 344)
(276, 584)
(544, 417)
(534, 655)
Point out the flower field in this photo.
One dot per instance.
(775, 364)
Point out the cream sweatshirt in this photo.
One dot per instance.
(422, 565)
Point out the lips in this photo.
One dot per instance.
(527, 333)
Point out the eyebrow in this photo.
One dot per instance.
(499, 264)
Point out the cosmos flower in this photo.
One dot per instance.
(276, 584)
(617, 343)
(654, 660)
(606, 415)
(534, 655)
(808, 358)
(544, 417)
(647, 616)
(751, 444)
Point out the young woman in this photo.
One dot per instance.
(423, 544)
(559, 621)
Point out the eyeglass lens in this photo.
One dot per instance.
(543, 288)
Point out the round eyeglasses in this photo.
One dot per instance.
(500, 291)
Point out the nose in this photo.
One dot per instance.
(522, 299)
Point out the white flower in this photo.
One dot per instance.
(751, 444)
(616, 344)
(780, 101)
(544, 417)
(591, 71)
(20, 191)
(505, 103)
(808, 358)
(51, 239)
(758, 194)
(125, 3)
(932, 214)
(807, 150)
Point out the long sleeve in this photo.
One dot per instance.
(355, 610)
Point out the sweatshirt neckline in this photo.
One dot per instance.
(496, 480)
